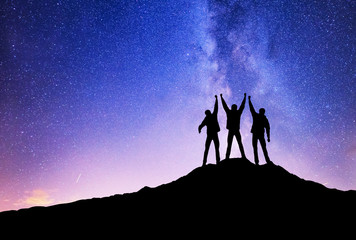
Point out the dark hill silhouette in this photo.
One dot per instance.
(234, 196)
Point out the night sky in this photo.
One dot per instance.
(104, 97)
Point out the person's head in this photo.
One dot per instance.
(234, 107)
(207, 113)
(262, 111)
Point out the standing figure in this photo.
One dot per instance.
(233, 125)
(212, 129)
(260, 122)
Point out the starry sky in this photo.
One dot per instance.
(104, 97)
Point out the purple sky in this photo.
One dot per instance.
(104, 97)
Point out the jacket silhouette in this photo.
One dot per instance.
(260, 123)
(233, 125)
(212, 129)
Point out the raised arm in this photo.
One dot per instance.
(252, 109)
(226, 108)
(242, 106)
(216, 106)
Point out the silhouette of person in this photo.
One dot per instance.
(260, 123)
(212, 129)
(233, 125)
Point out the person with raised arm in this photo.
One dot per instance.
(233, 125)
(260, 123)
(212, 129)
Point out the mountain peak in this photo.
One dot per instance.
(234, 187)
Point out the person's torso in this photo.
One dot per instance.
(212, 124)
(233, 120)
(259, 124)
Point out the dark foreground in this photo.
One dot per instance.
(233, 197)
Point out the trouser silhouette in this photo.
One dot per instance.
(215, 139)
(255, 139)
(230, 137)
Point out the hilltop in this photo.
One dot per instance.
(232, 195)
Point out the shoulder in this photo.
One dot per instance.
(266, 120)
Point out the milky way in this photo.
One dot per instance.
(104, 97)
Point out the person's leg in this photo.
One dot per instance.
(217, 145)
(239, 141)
(207, 146)
(229, 143)
(255, 150)
(264, 149)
